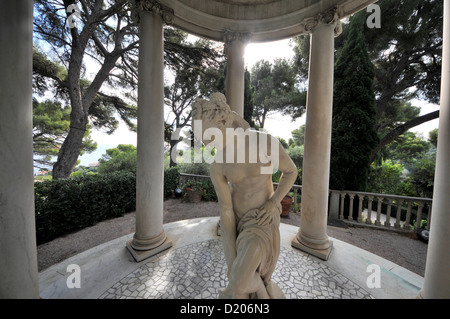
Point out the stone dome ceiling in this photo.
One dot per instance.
(265, 20)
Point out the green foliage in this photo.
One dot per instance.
(171, 181)
(205, 187)
(423, 224)
(407, 147)
(395, 112)
(195, 168)
(412, 43)
(104, 109)
(44, 68)
(66, 205)
(51, 122)
(187, 163)
(433, 137)
(415, 180)
(387, 178)
(422, 174)
(276, 176)
(406, 56)
(43, 178)
(354, 115)
(81, 170)
(298, 136)
(121, 158)
(296, 154)
(209, 192)
(248, 99)
(283, 142)
(202, 169)
(408, 169)
(50, 126)
(274, 89)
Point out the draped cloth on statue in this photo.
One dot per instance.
(268, 239)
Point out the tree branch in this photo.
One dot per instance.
(396, 132)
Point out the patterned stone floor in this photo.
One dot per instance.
(199, 270)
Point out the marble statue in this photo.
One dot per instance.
(249, 207)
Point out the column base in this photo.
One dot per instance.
(140, 255)
(319, 253)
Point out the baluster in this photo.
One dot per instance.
(341, 210)
(399, 213)
(387, 223)
(380, 203)
(430, 205)
(350, 214)
(369, 210)
(408, 216)
(361, 199)
(419, 216)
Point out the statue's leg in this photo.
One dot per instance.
(244, 278)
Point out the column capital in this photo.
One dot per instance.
(232, 36)
(139, 6)
(329, 17)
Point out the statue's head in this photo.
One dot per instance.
(216, 113)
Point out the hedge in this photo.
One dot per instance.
(171, 181)
(67, 205)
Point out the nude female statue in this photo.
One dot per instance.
(249, 207)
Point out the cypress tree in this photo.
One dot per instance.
(354, 114)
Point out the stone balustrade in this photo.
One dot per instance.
(382, 210)
(399, 212)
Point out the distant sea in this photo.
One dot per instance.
(88, 158)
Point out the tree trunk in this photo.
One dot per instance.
(70, 149)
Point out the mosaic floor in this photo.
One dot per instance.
(199, 270)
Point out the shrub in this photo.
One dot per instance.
(66, 205)
(276, 176)
(195, 168)
(120, 161)
(209, 192)
(171, 180)
(386, 178)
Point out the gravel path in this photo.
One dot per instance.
(404, 250)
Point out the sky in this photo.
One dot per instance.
(276, 124)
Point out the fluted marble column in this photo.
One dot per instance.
(150, 238)
(18, 255)
(312, 236)
(235, 79)
(437, 275)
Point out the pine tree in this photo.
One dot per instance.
(406, 54)
(354, 114)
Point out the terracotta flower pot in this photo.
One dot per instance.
(286, 203)
(193, 196)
